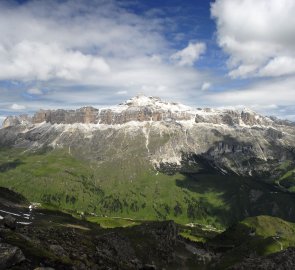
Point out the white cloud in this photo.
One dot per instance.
(278, 66)
(275, 96)
(34, 91)
(95, 53)
(17, 107)
(101, 45)
(258, 36)
(265, 94)
(122, 92)
(100, 27)
(38, 61)
(242, 71)
(206, 86)
(189, 55)
(73, 43)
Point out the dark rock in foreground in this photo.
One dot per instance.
(10, 256)
(59, 241)
(9, 222)
(283, 260)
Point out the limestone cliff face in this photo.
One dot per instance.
(137, 109)
(232, 118)
(142, 109)
(17, 120)
(165, 134)
(83, 115)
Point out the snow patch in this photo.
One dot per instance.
(157, 103)
(10, 213)
(23, 223)
(146, 132)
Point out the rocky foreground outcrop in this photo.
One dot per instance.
(61, 242)
(284, 260)
(166, 134)
(57, 241)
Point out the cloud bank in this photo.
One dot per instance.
(99, 44)
(189, 55)
(66, 54)
(259, 36)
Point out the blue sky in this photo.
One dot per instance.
(222, 53)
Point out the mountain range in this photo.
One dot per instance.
(150, 159)
(240, 142)
(225, 177)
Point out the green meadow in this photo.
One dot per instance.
(131, 188)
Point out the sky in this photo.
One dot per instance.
(203, 53)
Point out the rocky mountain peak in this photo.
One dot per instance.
(155, 103)
(145, 108)
(142, 100)
(166, 130)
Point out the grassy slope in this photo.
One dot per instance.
(131, 188)
(259, 235)
(287, 180)
(285, 176)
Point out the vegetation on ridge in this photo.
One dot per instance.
(130, 188)
(254, 236)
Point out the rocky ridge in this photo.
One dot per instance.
(283, 260)
(55, 240)
(142, 108)
(231, 141)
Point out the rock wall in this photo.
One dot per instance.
(233, 118)
(83, 115)
(17, 120)
(105, 116)
(143, 108)
(140, 114)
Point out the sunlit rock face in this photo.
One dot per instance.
(142, 108)
(83, 115)
(165, 134)
(17, 120)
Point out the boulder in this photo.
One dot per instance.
(282, 260)
(58, 250)
(9, 222)
(10, 256)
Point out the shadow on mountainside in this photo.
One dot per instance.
(235, 197)
(10, 165)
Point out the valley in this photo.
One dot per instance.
(222, 181)
(60, 241)
(57, 180)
